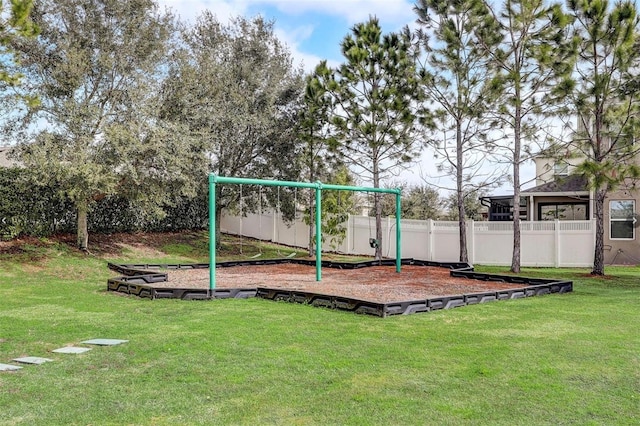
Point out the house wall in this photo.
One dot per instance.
(544, 168)
(621, 251)
(616, 250)
(551, 243)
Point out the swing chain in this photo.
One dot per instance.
(373, 242)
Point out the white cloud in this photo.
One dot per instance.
(293, 38)
(396, 11)
(225, 9)
(393, 13)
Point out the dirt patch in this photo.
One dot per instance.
(380, 284)
(20, 245)
(597, 277)
(151, 244)
(106, 245)
(141, 250)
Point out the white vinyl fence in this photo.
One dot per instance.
(545, 243)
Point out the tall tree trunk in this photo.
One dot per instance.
(83, 231)
(462, 224)
(515, 260)
(598, 256)
(600, 193)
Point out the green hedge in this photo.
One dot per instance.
(27, 209)
(36, 210)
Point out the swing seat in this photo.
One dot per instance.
(255, 256)
(290, 255)
(374, 243)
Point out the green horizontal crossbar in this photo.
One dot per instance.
(293, 184)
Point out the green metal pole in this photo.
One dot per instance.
(212, 232)
(398, 233)
(358, 188)
(266, 182)
(318, 231)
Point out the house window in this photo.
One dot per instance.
(621, 219)
(561, 169)
(563, 211)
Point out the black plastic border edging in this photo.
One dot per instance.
(138, 280)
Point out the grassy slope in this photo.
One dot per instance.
(559, 359)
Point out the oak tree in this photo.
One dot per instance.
(235, 93)
(95, 68)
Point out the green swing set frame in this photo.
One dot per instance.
(318, 187)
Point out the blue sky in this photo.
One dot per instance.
(313, 29)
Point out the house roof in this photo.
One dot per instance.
(569, 184)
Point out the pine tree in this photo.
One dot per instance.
(454, 78)
(374, 94)
(607, 101)
(315, 134)
(535, 55)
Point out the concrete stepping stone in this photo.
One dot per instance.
(104, 342)
(32, 360)
(9, 367)
(71, 350)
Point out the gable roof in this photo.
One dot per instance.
(572, 183)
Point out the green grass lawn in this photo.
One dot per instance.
(559, 359)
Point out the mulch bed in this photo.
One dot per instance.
(380, 284)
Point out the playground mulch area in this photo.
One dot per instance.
(380, 284)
